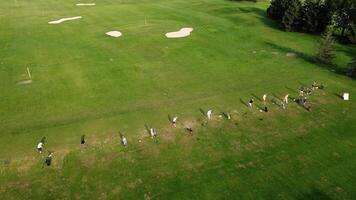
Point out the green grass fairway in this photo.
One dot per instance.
(85, 82)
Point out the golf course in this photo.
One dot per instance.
(112, 68)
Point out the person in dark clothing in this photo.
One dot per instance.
(265, 109)
(48, 160)
(190, 130)
(82, 139)
(250, 103)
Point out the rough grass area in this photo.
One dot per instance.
(84, 82)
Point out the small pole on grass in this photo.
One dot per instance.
(29, 73)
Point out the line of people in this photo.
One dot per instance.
(304, 92)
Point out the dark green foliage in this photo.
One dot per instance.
(351, 71)
(291, 15)
(277, 9)
(326, 54)
(344, 15)
(315, 16)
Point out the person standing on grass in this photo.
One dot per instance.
(283, 105)
(82, 140)
(40, 147)
(314, 85)
(228, 116)
(250, 103)
(174, 121)
(285, 100)
(208, 114)
(190, 130)
(49, 157)
(123, 140)
(304, 101)
(301, 93)
(153, 132)
(264, 98)
(265, 109)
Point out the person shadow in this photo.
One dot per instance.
(338, 95)
(203, 112)
(170, 119)
(256, 97)
(147, 127)
(244, 102)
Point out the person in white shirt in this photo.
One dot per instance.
(174, 121)
(153, 132)
(285, 100)
(123, 140)
(264, 98)
(40, 147)
(208, 114)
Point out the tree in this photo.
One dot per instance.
(344, 14)
(351, 68)
(291, 16)
(325, 53)
(277, 9)
(315, 16)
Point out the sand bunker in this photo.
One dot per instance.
(114, 33)
(85, 4)
(184, 32)
(24, 82)
(64, 19)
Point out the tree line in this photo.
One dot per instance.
(326, 17)
(314, 16)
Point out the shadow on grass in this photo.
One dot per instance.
(147, 128)
(203, 112)
(256, 97)
(262, 16)
(333, 67)
(315, 194)
(244, 103)
(292, 90)
(338, 95)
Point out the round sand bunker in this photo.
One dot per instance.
(184, 32)
(114, 33)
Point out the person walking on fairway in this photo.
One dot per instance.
(40, 147)
(250, 103)
(174, 121)
(208, 114)
(285, 100)
(264, 98)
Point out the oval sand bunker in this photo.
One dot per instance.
(184, 32)
(85, 4)
(24, 82)
(64, 19)
(114, 33)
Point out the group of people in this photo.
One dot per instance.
(304, 93)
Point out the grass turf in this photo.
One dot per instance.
(85, 82)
